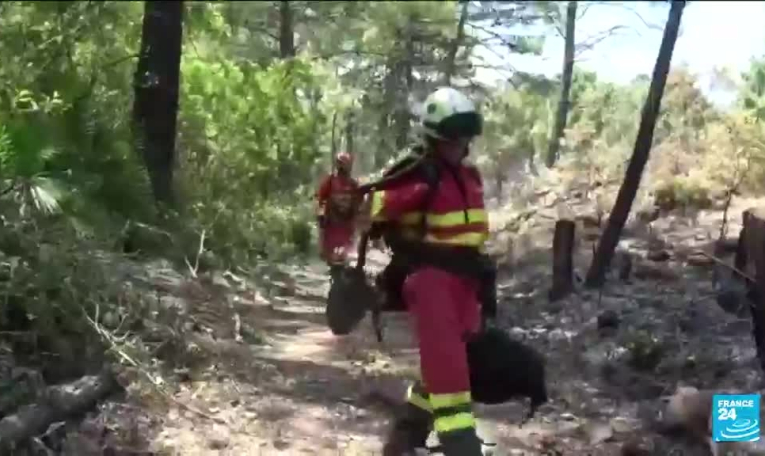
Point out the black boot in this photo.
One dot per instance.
(410, 430)
(464, 442)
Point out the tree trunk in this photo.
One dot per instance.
(628, 190)
(752, 257)
(333, 144)
(403, 116)
(383, 152)
(532, 163)
(61, 402)
(451, 58)
(286, 31)
(563, 263)
(349, 132)
(565, 88)
(155, 109)
(499, 179)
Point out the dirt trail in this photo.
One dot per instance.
(298, 389)
(270, 379)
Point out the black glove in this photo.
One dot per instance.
(488, 319)
(488, 294)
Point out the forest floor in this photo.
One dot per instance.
(255, 370)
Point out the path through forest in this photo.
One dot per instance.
(260, 373)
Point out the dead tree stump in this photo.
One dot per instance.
(563, 264)
(750, 259)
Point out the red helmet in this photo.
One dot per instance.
(344, 159)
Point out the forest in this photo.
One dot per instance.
(158, 250)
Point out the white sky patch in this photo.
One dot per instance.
(714, 34)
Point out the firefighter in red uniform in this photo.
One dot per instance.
(336, 210)
(439, 292)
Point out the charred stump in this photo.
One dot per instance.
(750, 259)
(563, 264)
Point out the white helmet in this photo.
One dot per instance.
(447, 113)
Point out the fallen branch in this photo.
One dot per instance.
(201, 249)
(723, 263)
(58, 403)
(112, 341)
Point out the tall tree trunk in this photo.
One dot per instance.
(405, 67)
(499, 179)
(286, 31)
(451, 58)
(155, 109)
(565, 87)
(333, 145)
(349, 122)
(532, 164)
(628, 190)
(386, 107)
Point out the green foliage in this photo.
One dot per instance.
(249, 141)
(254, 131)
(699, 152)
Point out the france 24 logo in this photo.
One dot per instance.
(736, 417)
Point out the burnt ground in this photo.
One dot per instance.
(253, 370)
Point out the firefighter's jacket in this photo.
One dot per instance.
(337, 198)
(452, 236)
(455, 215)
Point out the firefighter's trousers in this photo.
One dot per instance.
(445, 309)
(336, 240)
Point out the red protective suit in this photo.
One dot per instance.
(444, 306)
(336, 198)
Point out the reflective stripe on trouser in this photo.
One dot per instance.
(444, 308)
(451, 412)
(417, 396)
(453, 422)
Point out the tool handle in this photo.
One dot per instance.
(362, 251)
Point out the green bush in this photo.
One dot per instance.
(682, 192)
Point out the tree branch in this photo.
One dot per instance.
(628, 8)
(591, 42)
(494, 35)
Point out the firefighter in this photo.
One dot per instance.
(336, 208)
(440, 224)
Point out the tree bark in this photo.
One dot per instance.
(155, 109)
(565, 88)
(563, 263)
(286, 31)
(60, 403)
(349, 125)
(752, 245)
(405, 68)
(333, 143)
(629, 187)
(451, 58)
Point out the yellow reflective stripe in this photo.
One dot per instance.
(377, 206)
(411, 218)
(457, 218)
(449, 400)
(448, 219)
(468, 239)
(455, 422)
(415, 399)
